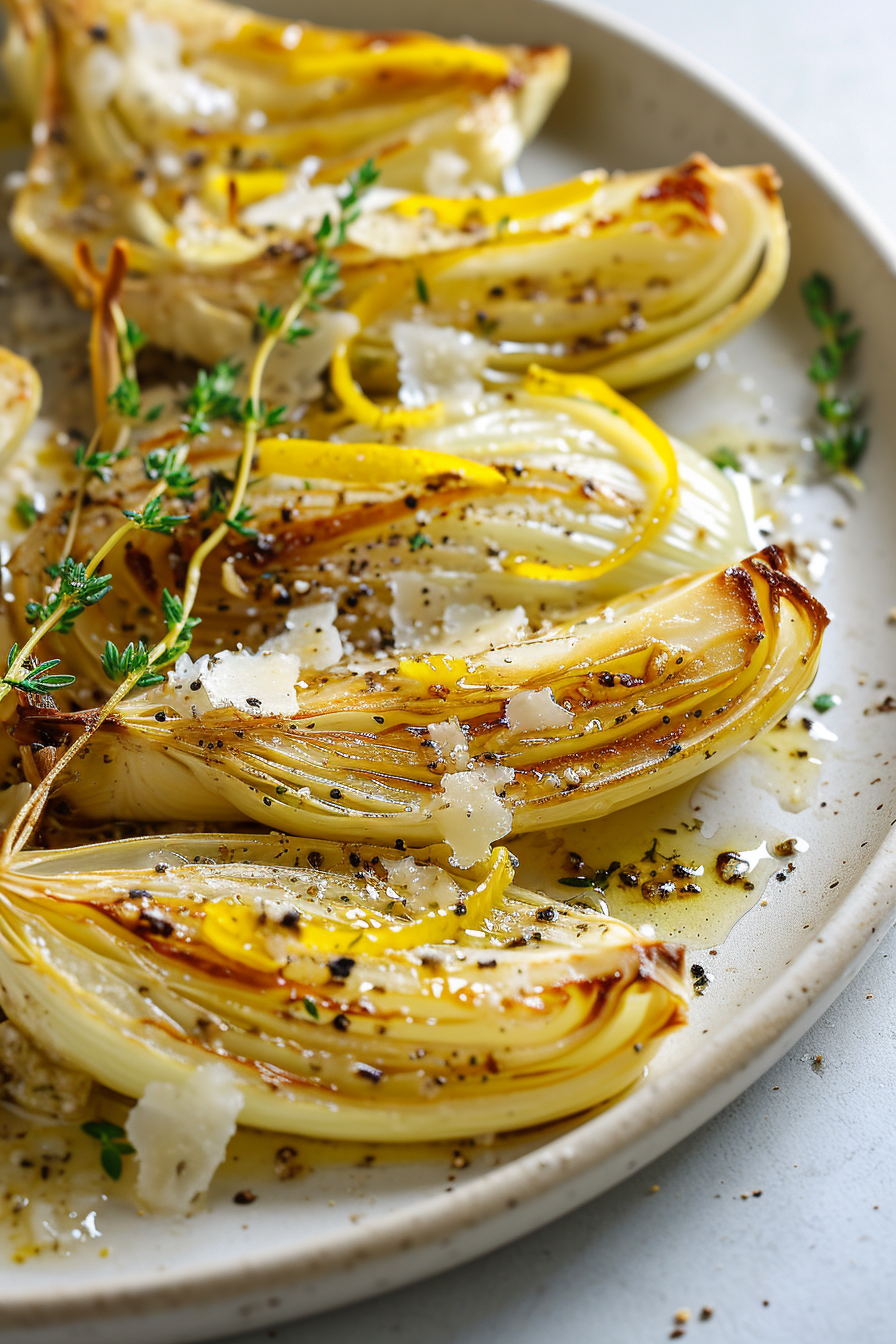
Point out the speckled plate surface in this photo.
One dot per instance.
(349, 1228)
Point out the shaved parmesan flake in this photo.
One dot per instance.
(472, 816)
(478, 627)
(157, 86)
(184, 690)
(180, 1132)
(299, 207)
(310, 635)
(262, 683)
(415, 611)
(438, 364)
(423, 886)
(450, 742)
(424, 617)
(536, 711)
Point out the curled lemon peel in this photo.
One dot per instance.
(527, 205)
(374, 301)
(661, 474)
(369, 463)
(234, 931)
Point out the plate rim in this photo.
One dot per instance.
(531, 1186)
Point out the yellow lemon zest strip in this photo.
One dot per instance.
(435, 669)
(233, 930)
(436, 926)
(662, 479)
(368, 463)
(251, 186)
(529, 205)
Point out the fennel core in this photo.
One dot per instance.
(114, 345)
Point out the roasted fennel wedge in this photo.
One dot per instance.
(634, 274)
(530, 505)
(599, 712)
(160, 98)
(351, 992)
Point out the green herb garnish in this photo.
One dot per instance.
(213, 398)
(26, 510)
(152, 519)
(114, 1145)
(845, 440)
(39, 680)
(74, 591)
(725, 457)
(126, 398)
(120, 663)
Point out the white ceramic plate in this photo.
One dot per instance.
(342, 1232)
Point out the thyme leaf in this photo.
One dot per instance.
(113, 1145)
(725, 457)
(97, 463)
(162, 464)
(74, 591)
(213, 397)
(39, 680)
(120, 663)
(126, 398)
(152, 519)
(26, 510)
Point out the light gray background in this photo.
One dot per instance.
(813, 1258)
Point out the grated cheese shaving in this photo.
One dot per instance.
(536, 711)
(450, 743)
(422, 887)
(438, 364)
(472, 816)
(310, 635)
(180, 1132)
(155, 84)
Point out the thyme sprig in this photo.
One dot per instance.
(214, 396)
(844, 441)
(26, 510)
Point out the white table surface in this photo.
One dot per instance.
(813, 1257)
